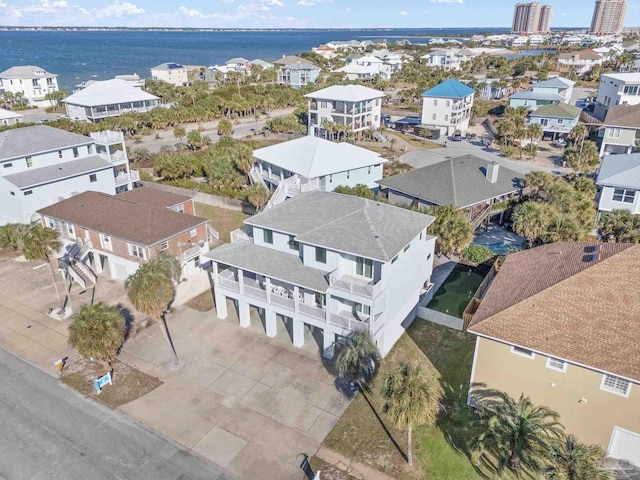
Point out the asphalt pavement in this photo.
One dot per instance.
(50, 432)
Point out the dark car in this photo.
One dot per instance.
(457, 137)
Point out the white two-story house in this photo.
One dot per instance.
(447, 107)
(41, 165)
(618, 183)
(447, 58)
(33, 83)
(616, 89)
(355, 106)
(366, 68)
(330, 263)
(172, 73)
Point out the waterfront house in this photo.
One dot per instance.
(298, 74)
(582, 61)
(616, 89)
(620, 132)
(239, 65)
(469, 183)
(554, 90)
(42, 165)
(330, 263)
(618, 183)
(114, 234)
(172, 73)
(110, 98)
(556, 324)
(354, 106)
(556, 119)
(365, 68)
(262, 63)
(447, 107)
(8, 117)
(447, 58)
(31, 82)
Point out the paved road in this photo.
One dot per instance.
(50, 432)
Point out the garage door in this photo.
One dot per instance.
(119, 271)
(625, 445)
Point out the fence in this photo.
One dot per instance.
(440, 318)
(206, 198)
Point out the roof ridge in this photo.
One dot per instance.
(376, 236)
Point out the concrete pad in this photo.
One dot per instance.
(322, 426)
(201, 371)
(219, 446)
(232, 384)
(254, 463)
(295, 413)
(243, 422)
(252, 365)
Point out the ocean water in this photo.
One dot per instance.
(83, 55)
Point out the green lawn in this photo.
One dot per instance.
(414, 141)
(440, 451)
(222, 219)
(456, 292)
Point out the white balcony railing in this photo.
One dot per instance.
(355, 285)
(108, 137)
(117, 158)
(124, 178)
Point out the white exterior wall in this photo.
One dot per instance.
(443, 109)
(31, 93)
(46, 159)
(366, 175)
(76, 112)
(607, 204)
(611, 93)
(618, 140)
(176, 76)
(324, 111)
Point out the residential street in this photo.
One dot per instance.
(50, 432)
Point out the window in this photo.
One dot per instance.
(180, 208)
(76, 154)
(293, 245)
(28, 192)
(446, 117)
(8, 165)
(29, 162)
(544, 122)
(50, 223)
(631, 90)
(369, 170)
(196, 262)
(106, 242)
(34, 82)
(70, 230)
(363, 309)
(193, 233)
(267, 236)
(560, 120)
(137, 251)
(523, 352)
(435, 103)
(164, 245)
(448, 103)
(394, 259)
(89, 149)
(613, 132)
(616, 385)
(556, 364)
(93, 178)
(407, 247)
(622, 195)
(348, 174)
(433, 117)
(330, 178)
(321, 255)
(59, 153)
(364, 267)
(13, 193)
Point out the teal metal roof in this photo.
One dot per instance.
(451, 88)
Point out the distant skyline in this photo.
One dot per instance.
(290, 13)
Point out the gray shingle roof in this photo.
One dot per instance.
(271, 263)
(620, 171)
(20, 142)
(344, 223)
(52, 173)
(531, 95)
(26, 71)
(435, 183)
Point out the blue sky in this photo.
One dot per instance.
(289, 13)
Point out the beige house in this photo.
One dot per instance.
(559, 323)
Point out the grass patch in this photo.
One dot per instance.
(202, 303)
(440, 451)
(414, 141)
(456, 292)
(327, 470)
(128, 382)
(222, 219)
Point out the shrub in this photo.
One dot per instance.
(476, 254)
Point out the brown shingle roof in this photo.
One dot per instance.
(124, 219)
(557, 300)
(154, 197)
(623, 116)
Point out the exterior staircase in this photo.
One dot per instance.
(290, 187)
(477, 220)
(72, 265)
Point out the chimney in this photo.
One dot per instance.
(492, 171)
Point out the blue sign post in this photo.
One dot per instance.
(102, 381)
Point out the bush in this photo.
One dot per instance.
(508, 152)
(476, 254)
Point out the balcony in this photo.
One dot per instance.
(355, 285)
(119, 157)
(193, 252)
(124, 178)
(108, 137)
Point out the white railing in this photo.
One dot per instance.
(117, 158)
(349, 322)
(191, 253)
(212, 233)
(108, 137)
(354, 285)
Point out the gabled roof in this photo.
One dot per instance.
(109, 92)
(569, 301)
(238, 60)
(154, 197)
(262, 63)
(25, 71)
(289, 59)
(8, 114)
(165, 66)
(451, 88)
(355, 225)
(301, 66)
(623, 116)
(457, 181)
(558, 82)
(584, 54)
(20, 142)
(620, 170)
(314, 157)
(557, 110)
(53, 173)
(346, 93)
(135, 222)
(532, 95)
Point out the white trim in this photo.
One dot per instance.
(604, 388)
(473, 368)
(613, 433)
(522, 354)
(550, 367)
(546, 354)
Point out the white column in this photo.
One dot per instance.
(327, 316)
(215, 272)
(298, 333)
(270, 323)
(244, 314)
(296, 302)
(241, 281)
(221, 304)
(328, 341)
(267, 285)
(97, 264)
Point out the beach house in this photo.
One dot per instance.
(8, 117)
(298, 74)
(620, 132)
(555, 90)
(582, 61)
(30, 83)
(327, 263)
(172, 73)
(618, 183)
(616, 89)
(447, 107)
(556, 119)
(447, 58)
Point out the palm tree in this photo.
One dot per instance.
(412, 398)
(258, 196)
(530, 219)
(97, 331)
(537, 180)
(578, 134)
(358, 359)
(151, 289)
(573, 460)
(179, 132)
(519, 434)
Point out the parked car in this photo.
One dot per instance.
(457, 137)
(559, 143)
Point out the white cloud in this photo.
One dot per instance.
(403, 12)
(312, 3)
(119, 10)
(447, 1)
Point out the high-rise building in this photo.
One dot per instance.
(531, 18)
(608, 17)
